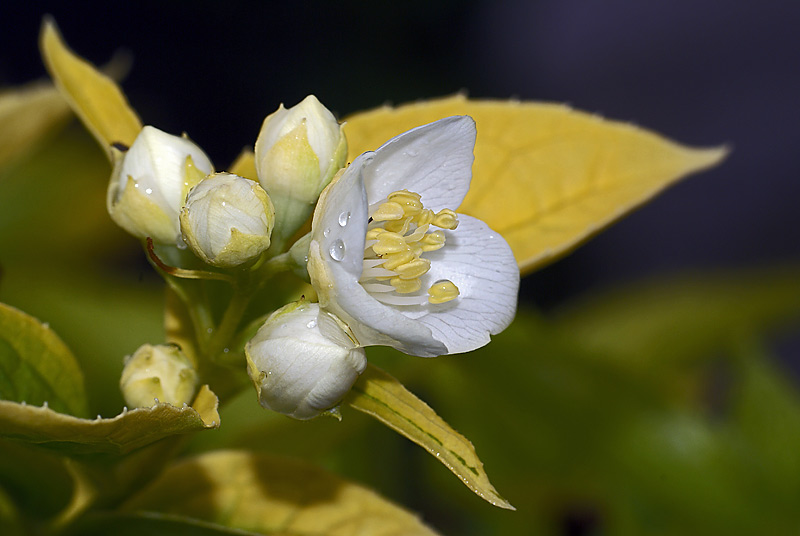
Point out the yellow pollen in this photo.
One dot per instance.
(442, 291)
(398, 235)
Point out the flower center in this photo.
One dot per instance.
(398, 235)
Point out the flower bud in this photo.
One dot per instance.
(298, 151)
(227, 220)
(302, 361)
(158, 374)
(150, 182)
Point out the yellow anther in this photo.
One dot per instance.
(393, 260)
(442, 291)
(375, 232)
(407, 194)
(413, 269)
(405, 286)
(410, 201)
(398, 226)
(388, 211)
(424, 217)
(433, 241)
(446, 219)
(389, 243)
(417, 235)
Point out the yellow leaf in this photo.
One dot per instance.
(27, 114)
(378, 394)
(124, 433)
(270, 495)
(546, 177)
(94, 97)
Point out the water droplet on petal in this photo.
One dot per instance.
(311, 324)
(148, 191)
(344, 217)
(326, 232)
(337, 250)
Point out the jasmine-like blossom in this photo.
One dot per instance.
(227, 220)
(297, 152)
(390, 256)
(303, 361)
(160, 373)
(150, 181)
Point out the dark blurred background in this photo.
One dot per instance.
(703, 72)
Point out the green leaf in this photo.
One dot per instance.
(269, 495)
(546, 177)
(378, 394)
(27, 115)
(152, 525)
(124, 433)
(681, 319)
(94, 97)
(36, 367)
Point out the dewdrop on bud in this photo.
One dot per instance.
(298, 151)
(158, 373)
(227, 220)
(150, 181)
(302, 361)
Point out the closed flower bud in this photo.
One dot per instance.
(158, 374)
(150, 182)
(302, 361)
(298, 151)
(227, 220)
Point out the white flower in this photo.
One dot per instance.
(158, 374)
(227, 220)
(150, 182)
(390, 257)
(302, 361)
(297, 153)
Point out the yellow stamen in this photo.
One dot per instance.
(410, 201)
(389, 243)
(398, 226)
(388, 211)
(424, 217)
(405, 286)
(414, 269)
(399, 251)
(442, 291)
(393, 260)
(446, 219)
(433, 241)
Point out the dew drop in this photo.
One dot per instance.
(311, 324)
(337, 250)
(344, 217)
(148, 191)
(209, 330)
(226, 350)
(326, 232)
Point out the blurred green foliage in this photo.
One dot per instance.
(651, 409)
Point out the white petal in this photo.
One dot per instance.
(482, 266)
(434, 160)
